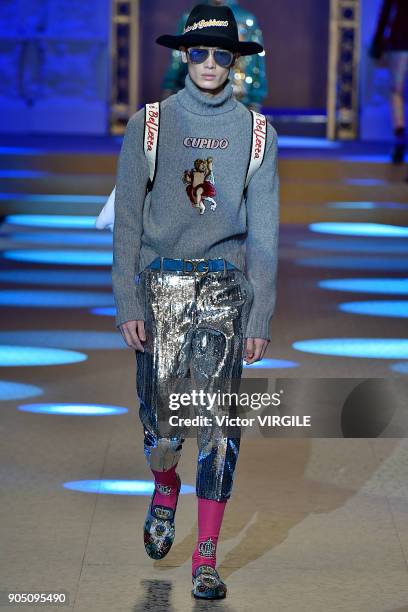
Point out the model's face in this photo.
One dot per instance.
(208, 75)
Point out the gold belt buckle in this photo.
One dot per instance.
(195, 265)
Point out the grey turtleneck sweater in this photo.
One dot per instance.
(217, 130)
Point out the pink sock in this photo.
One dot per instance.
(210, 515)
(166, 488)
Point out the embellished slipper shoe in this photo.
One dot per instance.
(159, 528)
(207, 583)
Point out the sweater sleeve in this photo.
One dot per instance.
(262, 239)
(131, 181)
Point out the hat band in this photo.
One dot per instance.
(203, 23)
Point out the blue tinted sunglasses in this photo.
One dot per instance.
(222, 57)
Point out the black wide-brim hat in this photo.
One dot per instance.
(210, 26)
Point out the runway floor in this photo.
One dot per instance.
(314, 524)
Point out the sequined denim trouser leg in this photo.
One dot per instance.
(194, 328)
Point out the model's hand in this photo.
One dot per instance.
(255, 349)
(133, 333)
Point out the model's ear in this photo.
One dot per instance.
(183, 55)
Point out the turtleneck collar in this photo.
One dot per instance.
(196, 101)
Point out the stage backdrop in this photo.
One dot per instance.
(54, 66)
(55, 59)
(296, 43)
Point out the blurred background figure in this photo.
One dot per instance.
(391, 41)
(248, 75)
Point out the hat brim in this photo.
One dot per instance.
(188, 40)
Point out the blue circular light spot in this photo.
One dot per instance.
(401, 368)
(355, 244)
(78, 258)
(71, 239)
(57, 277)
(294, 142)
(354, 263)
(360, 229)
(73, 409)
(37, 298)
(67, 221)
(352, 205)
(272, 364)
(368, 205)
(20, 150)
(119, 487)
(23, 174)
(33, 356)
(63, 338)
(104, 312)
(60, 198)
(368, 348)
(15, 391)
(369, 182)
(379, 308)
(390, 286)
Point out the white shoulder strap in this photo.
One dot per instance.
(259, 126)
(106, 217)
(151, 135)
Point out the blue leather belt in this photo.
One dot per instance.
(191, 266)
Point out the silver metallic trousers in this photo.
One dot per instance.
(194, 327)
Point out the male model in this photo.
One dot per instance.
(248, 74)
(205, 252)
(391, 39)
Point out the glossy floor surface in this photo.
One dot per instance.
(316, 524)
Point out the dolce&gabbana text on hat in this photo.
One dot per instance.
(206, 23)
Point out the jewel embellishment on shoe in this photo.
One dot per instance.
(164, 489)
(207, 548)
(162, 513)
(160, 529)
(207, 583)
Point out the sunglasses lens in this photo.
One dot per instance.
(223, 58)
(197, 56)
